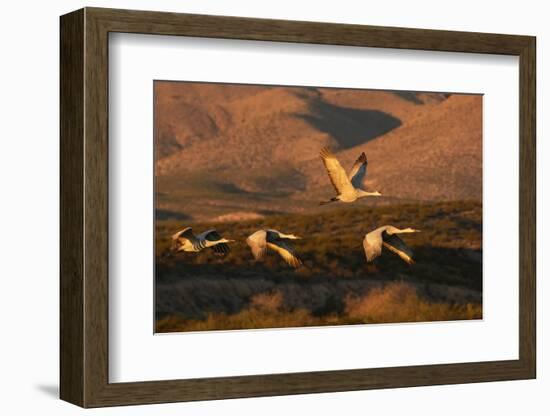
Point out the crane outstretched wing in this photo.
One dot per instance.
(358, 171)
(257, 244)
(393, 243)
(206, 236)
(286, 251)
(372, 244)
(185, 233)
(210, 235)
(221, 249)
(336, 172)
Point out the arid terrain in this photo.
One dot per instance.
(241, 151)
(203, 291)
(239, 158)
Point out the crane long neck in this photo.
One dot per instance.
(361, 193)
(289, 236)
(403, 231)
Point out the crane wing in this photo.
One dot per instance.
(358, 171)
(210, 235)
(257, 243)
(221, 249)
(372, 244)
(286, 251)
(336, 172)
(185, 233)
(393, 243)
(272, 235)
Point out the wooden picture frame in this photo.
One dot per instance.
(84, 207)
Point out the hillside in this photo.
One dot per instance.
(244, 150)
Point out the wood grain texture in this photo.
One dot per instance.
(84, 207)
(96, 227)
(225, 27)
(527, 208)
(71, 100)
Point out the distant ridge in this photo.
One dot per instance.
(239, 140)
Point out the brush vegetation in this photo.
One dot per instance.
(200, 291)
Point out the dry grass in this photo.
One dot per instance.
(200, 291)
(246, 319)
(395, 302)
(399, 302)
(268, 302)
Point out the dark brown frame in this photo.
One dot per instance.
(84, 207)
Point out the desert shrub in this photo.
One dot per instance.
(246, 319)
(399, 302)
(393, 303)
(335, 285)
(268, 302)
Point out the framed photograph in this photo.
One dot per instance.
(255, 207)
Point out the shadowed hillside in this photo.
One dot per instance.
(349, 127)
(242, 150)
(239, 158)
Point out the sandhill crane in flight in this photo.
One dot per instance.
(185, 240)
(387, 236)
(277, 241)
(348, 187)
